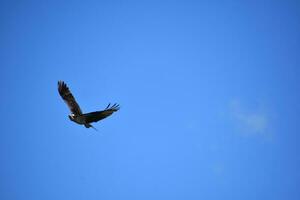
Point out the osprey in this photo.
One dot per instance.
(76, 114)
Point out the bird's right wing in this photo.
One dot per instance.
(67, 96)
(96, 116)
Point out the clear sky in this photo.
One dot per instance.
(209, 95)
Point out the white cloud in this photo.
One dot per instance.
(249, 121)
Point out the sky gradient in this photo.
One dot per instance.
(209, 95)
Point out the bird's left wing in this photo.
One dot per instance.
(96, 116)
(67, 96)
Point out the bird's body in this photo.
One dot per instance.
(79, 119)
(76, 114)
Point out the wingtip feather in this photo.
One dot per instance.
(114, 107)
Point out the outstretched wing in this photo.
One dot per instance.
(67, 96)
(96, 116)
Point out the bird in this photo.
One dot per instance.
(77, 115)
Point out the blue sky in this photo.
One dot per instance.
(209, 95)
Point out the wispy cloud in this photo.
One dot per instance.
(249, 121)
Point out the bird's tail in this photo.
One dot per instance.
(94, 128)
(90, 126)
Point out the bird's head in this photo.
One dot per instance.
(71, 117)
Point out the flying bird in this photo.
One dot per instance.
(76, 114)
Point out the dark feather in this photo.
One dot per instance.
(96, 116)
(67, 96)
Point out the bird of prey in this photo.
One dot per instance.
(76, 114)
